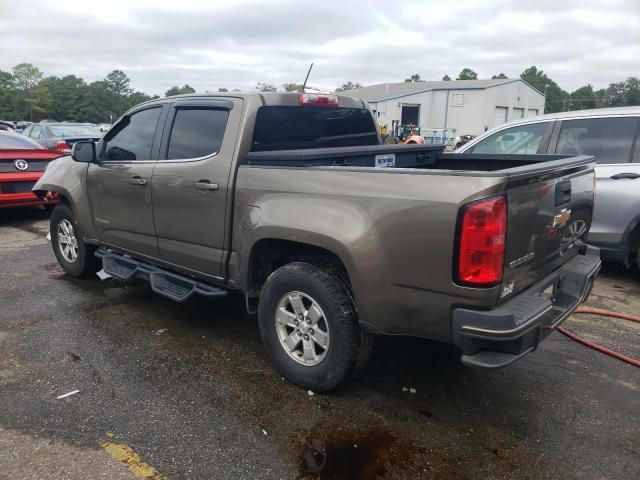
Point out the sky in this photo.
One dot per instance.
(235, 44)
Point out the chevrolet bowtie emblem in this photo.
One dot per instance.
(562, 218)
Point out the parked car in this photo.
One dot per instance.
(611, 136)
(61, 135)
(22, 162)
(7, 126)
(331, 236)
(20, 126)
(462, 140)
(103, 127)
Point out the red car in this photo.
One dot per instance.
(22, 162)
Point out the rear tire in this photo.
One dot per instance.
(307, 297)
(73, 254)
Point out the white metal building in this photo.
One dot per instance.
(468, 106)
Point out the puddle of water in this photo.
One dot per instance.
(350, 455)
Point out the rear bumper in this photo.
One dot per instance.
(495, 338)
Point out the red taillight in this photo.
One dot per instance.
(63, 147)
(482, 242)
(318, 100)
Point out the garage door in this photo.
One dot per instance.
(500, 116)
(518, 113)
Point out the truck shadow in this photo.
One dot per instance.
(22, 217)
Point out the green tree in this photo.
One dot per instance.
(67, 97)
(117, 88)
(556, 98)
(583, 98)
(446, 78)
(621, 94)
(179, 90)
(101, 108)
(138, 97)
(7, 95)
(413, 78)
(467, 74)
(265, 87)
(26, 76)
(39, 100)
(349, 86)
(500, 76)
(117, 83)
(25, 79)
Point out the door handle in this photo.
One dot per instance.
(206, 185)
(629, 175)
(138, 181)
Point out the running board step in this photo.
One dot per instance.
(177, 287)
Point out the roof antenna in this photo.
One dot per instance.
(307, 78)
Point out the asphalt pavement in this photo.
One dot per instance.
(186, 391)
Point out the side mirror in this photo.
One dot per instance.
(84, 152)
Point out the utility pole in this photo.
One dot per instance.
(545, 98)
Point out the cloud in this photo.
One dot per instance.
(237, 44)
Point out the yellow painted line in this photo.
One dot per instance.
(125, 455)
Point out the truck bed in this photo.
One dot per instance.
(400, 224)
(424, 157)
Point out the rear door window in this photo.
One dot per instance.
(521, 139)
(35, 131)
(609, 139)
(197, 132)
(291, 127)
(131, 138)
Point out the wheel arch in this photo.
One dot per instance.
(270, 253)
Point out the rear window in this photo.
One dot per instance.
(291, 128)
(74, 131)
(17, 142)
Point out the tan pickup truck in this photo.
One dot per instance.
(331, 236)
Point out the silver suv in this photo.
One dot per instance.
(611, 135)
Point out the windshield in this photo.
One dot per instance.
(290, 128)
(74, 131)
(17, 142)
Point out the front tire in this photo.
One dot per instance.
(74, 256)
(309, 326)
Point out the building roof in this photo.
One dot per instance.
(385, 91)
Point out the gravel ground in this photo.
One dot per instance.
(186, 391)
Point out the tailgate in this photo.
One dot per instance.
(548, 215)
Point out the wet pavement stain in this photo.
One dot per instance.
(52, 266)
(351, 455)
(56, 271)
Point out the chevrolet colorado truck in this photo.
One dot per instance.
(331, 236)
